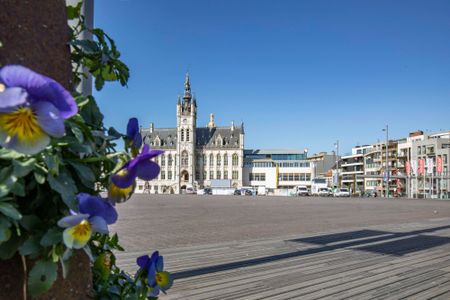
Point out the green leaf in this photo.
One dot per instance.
(31, 246)
(85, 174)
(30, 222)
(39, 177)
(78, 133)
(9, 248)
(99, 83)
(5, 231)
(23, 168)
(52, 162)
(51, 237)
(42, 277)
(8, 154)
(18, 188)
(10, 211)
(65, 186)
(73, 12)
(7, 180)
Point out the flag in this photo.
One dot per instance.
(439, 164)
(408, 168)
(414, 167)
(421, 167)
(430, 165)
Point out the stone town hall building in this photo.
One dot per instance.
(194, 155)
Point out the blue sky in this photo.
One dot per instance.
(297, 73)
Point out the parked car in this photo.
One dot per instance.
(243, 192)
(205, 191)
(342, 192)
(190, 191)
(324, 192)
(302, 191)
(369, 193)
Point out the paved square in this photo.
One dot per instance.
(241, 247)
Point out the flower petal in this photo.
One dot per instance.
(12, 97)
(73, 220)
(159, 264)
(49, 118)
(147, 170)
(40, 88)
(76, 237)
(27, 146)
(97, 206)
(98, 224)
(151, 276)
(20, 76)
(118, 195)
(126, 176)
(164, 280)
(132, 128)
(143, 261)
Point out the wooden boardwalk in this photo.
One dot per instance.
(408, 261)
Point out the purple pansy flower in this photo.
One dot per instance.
(134, 136)
(33, 107)
(95, 215)
(153, 268)
(141, 166)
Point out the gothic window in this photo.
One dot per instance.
(235, 175)
(225, 159)
(204, 175)
(218, 175)
(187, 135)
(219, 141)
(235, 160)
(225, 174)
(169, 175)
(211, 175)
(157, 142)
(182, 135)
(218, 160)
(169, 160)
(211, 160)
(184, 159)
(163, 175)
(163, 160)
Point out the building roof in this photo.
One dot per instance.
(273, 151)
(217, 137)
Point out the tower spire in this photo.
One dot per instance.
(187, 88)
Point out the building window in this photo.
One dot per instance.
(204, 175)
(235, 160)
(163, 175)
(184, 159)
(197, 175)
(204, 159)
(169, 175)
(169, 160)
(141, 187)
(211, 175)
(235, 175)
(257, 176)
(211, 160)
(163, 160)
(182, 135)
(187, 135)
(218, 175)
(218, 160)
(225, 174)
(225, 160)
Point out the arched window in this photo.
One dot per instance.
(184, 159)
(225, 160)
(211, 160)
(182, 135)
(218, 160)
(169, 160)
(187, 135)
(235, 160)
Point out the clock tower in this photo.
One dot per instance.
(186, 139)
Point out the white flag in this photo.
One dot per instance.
(430, 165)
(414, 167)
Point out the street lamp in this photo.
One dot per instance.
(387, 160)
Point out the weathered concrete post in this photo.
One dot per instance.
(35, 34)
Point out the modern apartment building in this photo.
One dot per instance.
(352, 169)
(378, 168)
